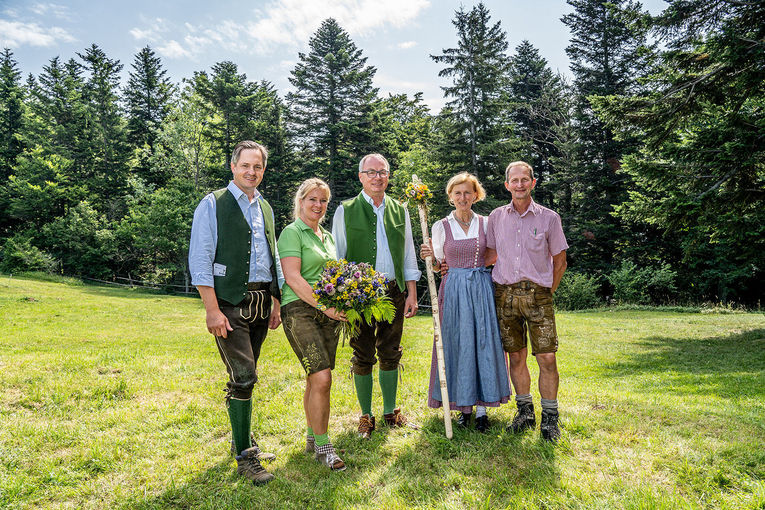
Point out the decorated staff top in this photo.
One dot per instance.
(418, 192)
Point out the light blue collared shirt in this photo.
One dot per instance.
(384, 260)
(204, 239)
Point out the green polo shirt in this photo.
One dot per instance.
(298, 240)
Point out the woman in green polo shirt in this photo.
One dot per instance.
(304, 247)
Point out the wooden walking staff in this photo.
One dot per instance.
(436, 319)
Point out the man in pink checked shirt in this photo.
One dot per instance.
(531, 259)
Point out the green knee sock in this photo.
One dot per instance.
(309, 432)
(364, 392)
(322, 439)
(389, 386)
(240, 414)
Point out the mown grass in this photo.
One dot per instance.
(111, 398)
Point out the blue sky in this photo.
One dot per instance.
(263, 37)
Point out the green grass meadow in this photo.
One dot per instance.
(113, 398)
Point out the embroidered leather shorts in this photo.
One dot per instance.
(311, 334)
(526, 307)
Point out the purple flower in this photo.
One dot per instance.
(329, 289)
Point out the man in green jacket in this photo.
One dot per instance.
(233, 263)
(374, 228)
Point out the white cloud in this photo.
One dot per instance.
(406, 45)
(281, 22)
(15, 33)
(153, 32)
(173, 49)
(292, 22)
(55, 10)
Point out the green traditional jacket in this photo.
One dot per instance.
(235, 244)
(361, 232)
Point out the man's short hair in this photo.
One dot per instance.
(521, 164)
(249, 144)
(374, 155)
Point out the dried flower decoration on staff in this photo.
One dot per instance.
(356, 290)
(418, 192)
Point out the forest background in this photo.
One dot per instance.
(652, 153)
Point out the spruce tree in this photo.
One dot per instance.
(480, 139)
(607, 52)
(330, 110)
(539, 110)
(700, 175)
(11, 113)
(108, 150)
(147, 99)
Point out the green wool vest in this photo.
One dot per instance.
(361, 232)
(234, 246)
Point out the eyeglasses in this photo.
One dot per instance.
(373, 173)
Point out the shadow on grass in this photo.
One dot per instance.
(425, 470)
(730, 365)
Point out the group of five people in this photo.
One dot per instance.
(237, 263)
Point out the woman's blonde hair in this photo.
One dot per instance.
(305, 188)
(462, 178)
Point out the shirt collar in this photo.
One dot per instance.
(302, 226)
(533, 207)
(475, 217)
(238, 193)
(372, 202)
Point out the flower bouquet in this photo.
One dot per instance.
(356, 290)
(418, 192)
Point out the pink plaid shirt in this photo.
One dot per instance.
(525, 243)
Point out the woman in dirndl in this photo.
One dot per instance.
(475, 363)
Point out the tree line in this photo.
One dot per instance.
(652, 153)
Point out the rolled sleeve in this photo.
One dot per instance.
(204, 238)
(556, 239)
(411, 271)
(338, 232)
(491, 241)
(438, 237)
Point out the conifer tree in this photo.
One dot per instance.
(608, 54)
(481, 139)
(147, 98)
(11, 113)
(539, 110)
(330, 110)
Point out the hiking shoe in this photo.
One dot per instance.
(464, 419)
(523, 419)
(248, 466)
(482, 424)
(310, 444)
(366, 426)
(396, 419)
(549, 427)
(260, 454)
(326, 455)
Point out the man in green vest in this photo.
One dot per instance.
(233, 263)
(374, 228)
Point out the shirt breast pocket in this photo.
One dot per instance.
(537, 241)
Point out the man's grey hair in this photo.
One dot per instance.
(374, 155)
(249, 144)
(521, 164)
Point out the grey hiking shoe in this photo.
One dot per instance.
(549, 427)
(326, 455)
(523, 419)
(248, 466)
(261, 454)
(310, 444)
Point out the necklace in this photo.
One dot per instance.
(463, 223)
(467, 223)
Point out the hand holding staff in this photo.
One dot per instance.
(420, 194)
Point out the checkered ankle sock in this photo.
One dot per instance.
(325, 448)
